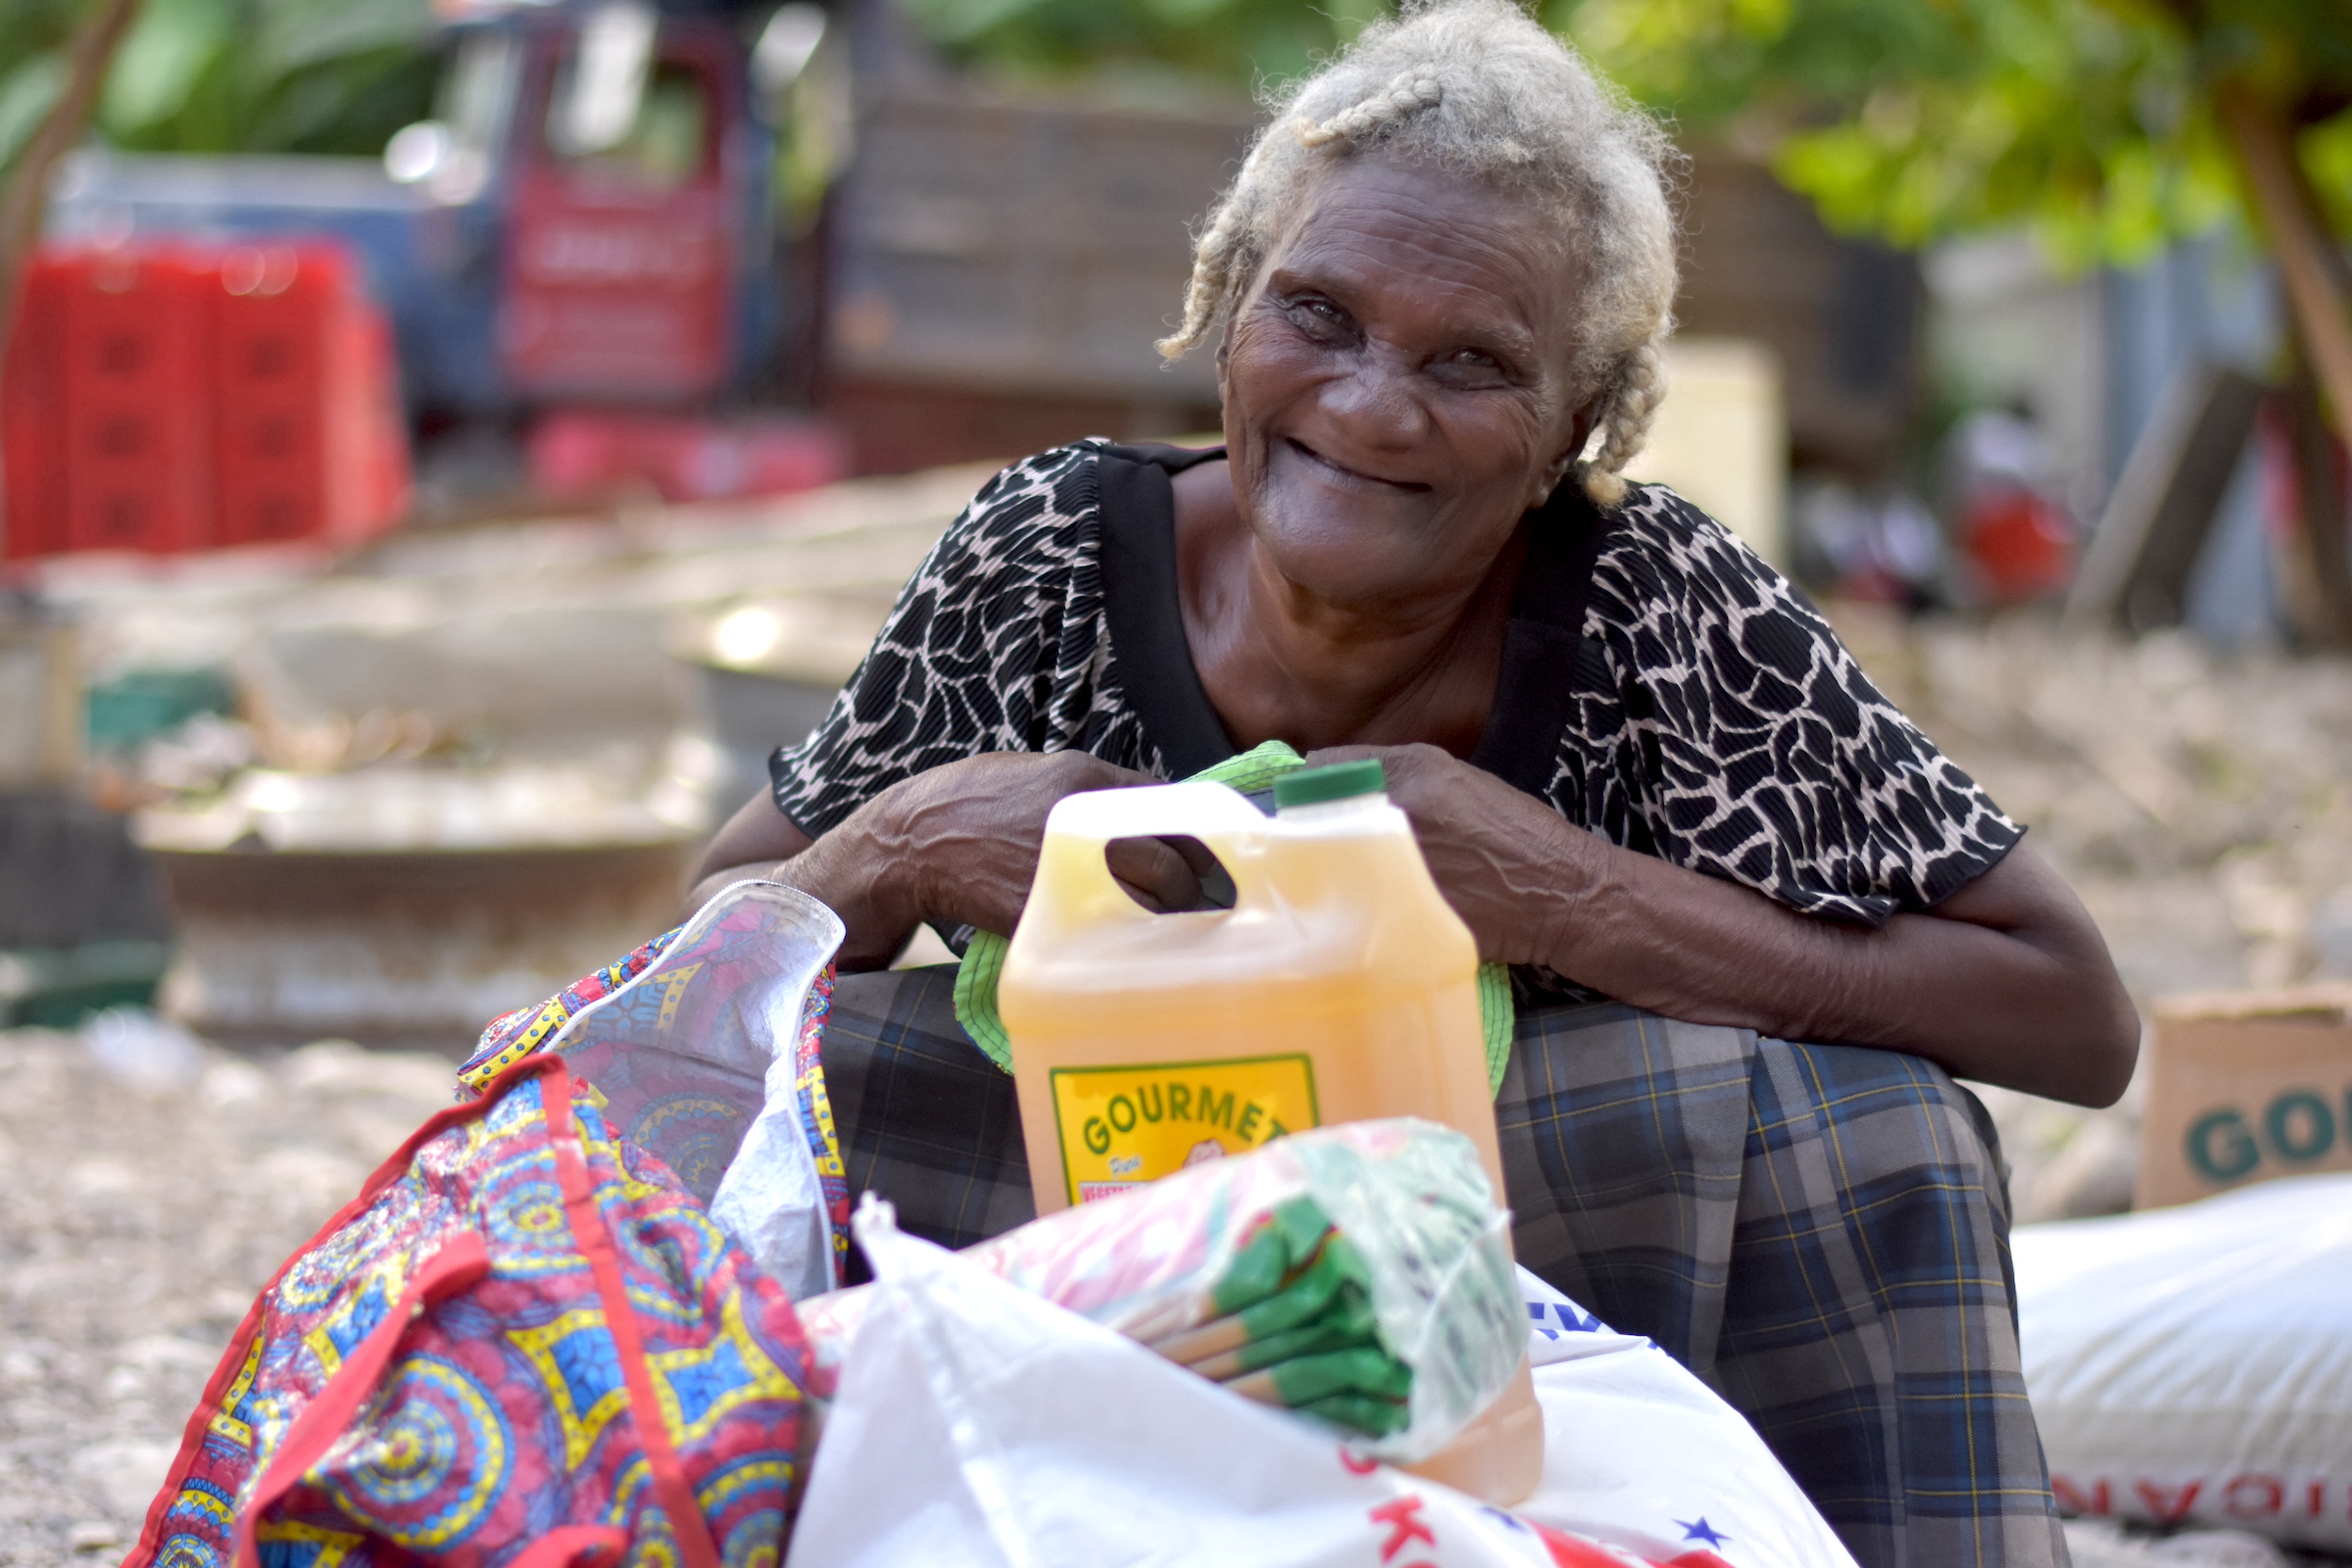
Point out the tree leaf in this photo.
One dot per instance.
(162, 59)
(26, 96)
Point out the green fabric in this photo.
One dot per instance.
(1249, 772)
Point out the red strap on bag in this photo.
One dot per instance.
(192, 1441)
(670, 1486)
(460, 1263)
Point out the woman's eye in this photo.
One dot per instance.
(1318, 312)
(1471, 366)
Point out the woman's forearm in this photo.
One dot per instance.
(2008, 982)
(956, 844)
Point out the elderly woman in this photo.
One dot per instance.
(1642, 770)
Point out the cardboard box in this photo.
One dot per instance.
(1721, 440)
(2245, 1087)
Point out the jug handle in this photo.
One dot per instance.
(1087, 894)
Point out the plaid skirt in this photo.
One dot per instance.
(1820, 1232)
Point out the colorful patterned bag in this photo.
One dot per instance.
(525, 1341)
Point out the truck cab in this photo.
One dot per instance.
(583, 221)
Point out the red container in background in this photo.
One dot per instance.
(2018, 543)
(299, 370)
(580, 452)
(387, 475)
(164, 400)
(279, 332)
(32, 417)
(137, 413)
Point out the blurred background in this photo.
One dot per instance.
(447, 446)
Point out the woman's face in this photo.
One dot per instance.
(1397, 383)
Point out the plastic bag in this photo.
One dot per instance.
(2194, 1365)
(771, 1198)
(697, 1059)
(1400, 1322)
(976, 1424)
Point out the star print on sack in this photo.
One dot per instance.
(1567, 1315)
(1700, 1530)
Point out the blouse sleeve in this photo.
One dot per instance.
(967, 661)
(1764, 754)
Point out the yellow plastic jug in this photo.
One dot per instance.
(1339, 987)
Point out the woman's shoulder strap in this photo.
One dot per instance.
(1546, 655)
(1168, 460)
(1140, 603)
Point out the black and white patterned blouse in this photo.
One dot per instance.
(1661, 686)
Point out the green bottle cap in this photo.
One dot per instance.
(1341, 781)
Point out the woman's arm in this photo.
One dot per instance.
(2006, 981)
(957, 844)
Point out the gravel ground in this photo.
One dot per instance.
(152, 1184)
(144, 1206)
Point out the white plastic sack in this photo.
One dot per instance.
(2195, 1363)
(1637, 1451)
(978, 1425)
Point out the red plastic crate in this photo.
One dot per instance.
(137, 443)
(283, 361)
(32, 417)
(311, 444)
(167, 400)
(389, 480)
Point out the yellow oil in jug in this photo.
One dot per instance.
(1339, 987)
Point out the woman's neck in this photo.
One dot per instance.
(1279, 663)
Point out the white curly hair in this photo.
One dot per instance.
(1477, 88)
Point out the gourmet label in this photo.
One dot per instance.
(1120, 1127)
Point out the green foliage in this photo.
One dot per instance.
(1220, 43)
(2327, 154)
(1917, 119)
(33, 66)
(1906, 118)
(231, 75)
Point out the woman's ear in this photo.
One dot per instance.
(1224, 355)
(1580, 432)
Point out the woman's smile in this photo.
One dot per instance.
(1345, 476)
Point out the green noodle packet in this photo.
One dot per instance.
(1358, 1275)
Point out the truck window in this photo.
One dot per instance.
(654, 145)
(667, 143)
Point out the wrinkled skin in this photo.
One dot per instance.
(1398, 385)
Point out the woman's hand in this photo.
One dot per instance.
(1495, 851)
(957, 845)
(966, 836)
